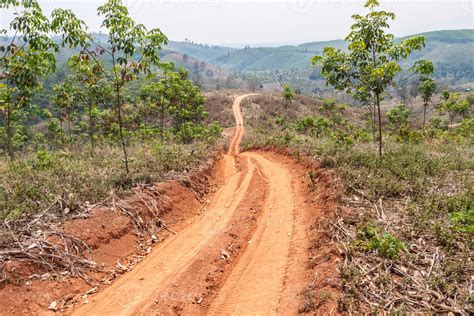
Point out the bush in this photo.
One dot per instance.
(385, 244)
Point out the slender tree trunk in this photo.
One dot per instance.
(69, 129)
(377, 100)
(9, 130)
(380, 125)
(91, 128)
(62, 131)
(374, 122)
(162, 116)
(119, 112)
(145, 114)
(425, 106)
(333, 118)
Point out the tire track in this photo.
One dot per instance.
(257, 279)
(137, 288)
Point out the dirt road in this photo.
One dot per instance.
(256, 281)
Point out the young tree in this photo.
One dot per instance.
(372, 61)
(154, 96)
(315, 125)
(288, 95)
(186, 105)
(398, 117)
(28, 57)
(94, 90)
(334, 112)
(428, 88)
(427, 85)
(64, 98)
(455, 106)
(132, 49)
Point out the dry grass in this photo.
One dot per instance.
(219, 107)
(68, 179)
(405, 226)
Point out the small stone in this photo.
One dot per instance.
(121, 267)
(92, 291)
(224, 254)
(53, 306)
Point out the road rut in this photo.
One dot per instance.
(256, 280)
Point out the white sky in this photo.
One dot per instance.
(271, 21)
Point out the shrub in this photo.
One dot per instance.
(385, 244)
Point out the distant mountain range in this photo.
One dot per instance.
(452, 52)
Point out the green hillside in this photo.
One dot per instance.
(263, 58)
(202, 52)
(452, 52)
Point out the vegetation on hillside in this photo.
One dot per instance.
(369, 68)
(114, 95)
(404, 223)
(448, 50)
(408, 216)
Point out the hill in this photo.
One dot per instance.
(203, 52)
(452, 52)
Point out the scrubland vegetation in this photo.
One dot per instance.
(405, 221)
(406, 218)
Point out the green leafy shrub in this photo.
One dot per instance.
(313, 125)
(385, 244)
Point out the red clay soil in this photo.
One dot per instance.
(257, 245)
(112, 238)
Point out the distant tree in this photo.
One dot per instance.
(427, 84)
(401, 89)
(186, 105)
(372, 60)
(154, 95)
(64, 98)
(315, 125)
(253, 83)
(428, 88)
(209, 73)
(288, 95)
(231, 81)
(93, 90)
(455, 106)
(398, 117)
(334, 112)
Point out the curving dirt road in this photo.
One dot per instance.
(256, 282)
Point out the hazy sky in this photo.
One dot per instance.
(272, 21)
